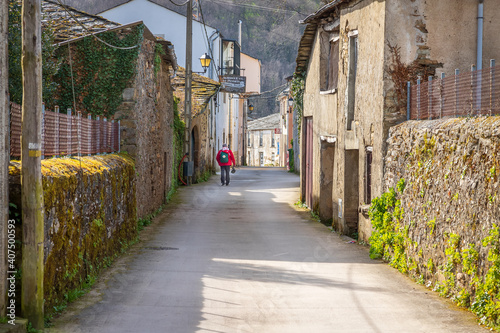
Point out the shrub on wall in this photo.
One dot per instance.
(439, 225)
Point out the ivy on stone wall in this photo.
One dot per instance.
(297, 88)
(179, 128)
(100, 73)
(50, 65)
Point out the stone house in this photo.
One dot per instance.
(352, 52)
(202, 89)
(263, 141)
(286, 127)
(146, 112)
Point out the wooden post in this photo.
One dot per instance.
(492, 83)
(188, 83)
(98, 136)
(31, 175)
(441, 105)
(4, 150)
(408, 100)
(472, 82)
(58, 136)
(457, 72)
(429, 98)
(79, 132)
(89, 129)
(418, 97)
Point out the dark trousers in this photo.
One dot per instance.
(224, 174)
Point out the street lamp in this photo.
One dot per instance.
(250, 108)
(290, 103)
(205, 63)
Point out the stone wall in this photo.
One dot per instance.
(450, 207)
(146, 117)
(90, 216)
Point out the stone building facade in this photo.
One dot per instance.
(263, 146)
(351, 100)
(146, 117)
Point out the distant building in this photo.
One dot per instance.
(263, 146)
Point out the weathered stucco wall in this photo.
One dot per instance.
(450, 206)
(368, 19)
(146, 117)
(443, 31)
(323, 109)
(90, 216)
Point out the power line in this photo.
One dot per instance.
(256, 7)
(208, 39)
(177, 4)
(92, 33)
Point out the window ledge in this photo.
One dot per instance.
(364, 209)
(328, 92)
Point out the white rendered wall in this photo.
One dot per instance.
(161, 21)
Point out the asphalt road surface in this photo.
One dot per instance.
(241, 258)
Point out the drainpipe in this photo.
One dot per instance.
(239, 34)
(480, 23)
(479, 58)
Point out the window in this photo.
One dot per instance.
(261, 138)
(368, 175)
(353, 68)
(272, 139)
(329, 62)
(249, 140)
(333, 65)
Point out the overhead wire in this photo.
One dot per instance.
(208, 39)
(180, 5)
(64, 6)
(256, 7)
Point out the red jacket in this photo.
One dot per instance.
(231, 157)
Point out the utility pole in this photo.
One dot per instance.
(31, 176)
(189, 76)
(4, 149)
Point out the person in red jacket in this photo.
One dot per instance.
(225, 158)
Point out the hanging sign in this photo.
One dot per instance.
(232, 83)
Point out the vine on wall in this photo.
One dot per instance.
(391, 241)
(50, 65)
(297, 89)
(100, 73)
(401, 73)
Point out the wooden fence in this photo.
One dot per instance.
(462, 95)
(67, 134)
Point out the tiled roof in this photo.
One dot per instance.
(202, 89)
(265, 123)
(307, 39)
(65, 27)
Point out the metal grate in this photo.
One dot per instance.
(476, 93)
(67, 134)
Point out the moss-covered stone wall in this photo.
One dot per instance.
(441, 225)
(90, 216)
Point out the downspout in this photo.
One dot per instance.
(239, 34)
(479, 58)
(480, 24)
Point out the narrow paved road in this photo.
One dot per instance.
(242, 259)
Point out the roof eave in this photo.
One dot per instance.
(325, 9)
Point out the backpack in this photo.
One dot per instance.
(224, 157)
